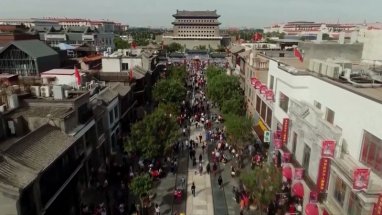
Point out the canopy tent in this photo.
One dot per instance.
(311, 209)
(287, 172)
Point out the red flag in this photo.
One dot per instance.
(77, 75)
(131, 74)
(257, 37)
(133, 45)
(298, 54)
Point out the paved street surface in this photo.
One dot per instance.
(202, 203)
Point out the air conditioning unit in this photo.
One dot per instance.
(45, 91)
(3, 108)
(334, 71)
(35, 90)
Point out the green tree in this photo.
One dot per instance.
(262, 184)
(178, 73)
(325, 37)
(233, 106)
(223, 87)
(121, 44)
(169, 91)
(154, 135)
(174, 47)
(213, 71)
(141, 184)
(238, 129)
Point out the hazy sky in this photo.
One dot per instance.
(234, 13)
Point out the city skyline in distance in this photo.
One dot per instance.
(153, 13)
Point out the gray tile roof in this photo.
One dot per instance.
(237, 49)
(121, 89)
(204, 13)
(107, 95)
(34, 48)
(32, 154)
(51, 111)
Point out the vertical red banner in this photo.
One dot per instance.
(378, 206)
(285, 130)
(323, 175)
(298, 173)
(361, 178)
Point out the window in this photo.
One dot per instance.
(271, 82)
(306, 157)
(371, 153)
(125, 66)
(263, 110)
(284, 102)
(355, 206)
(269, 116)
(100, 129)
(329, 115)
(294, 142)
(111, 117)
(116, 112)
(339, 191)
(258, 104)
(317, 104)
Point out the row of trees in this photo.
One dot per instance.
(262, 183)
(155, 135)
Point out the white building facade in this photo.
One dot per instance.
(321, 109)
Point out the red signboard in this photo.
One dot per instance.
(269, 95)
(278, 143)
(378, 206)
(323, 175)
(313, 197)
(263, 89)
(361, 178)
(277, 134)
(253, 81)
(298, 173)
(328, 148)
(258, 84)
(286, 157)
(285, 130)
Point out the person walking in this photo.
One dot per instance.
(208, 168)
(200, 158)
(214, 168)
(193, 189)
(183, 181)
(157, 209)
(220, 182)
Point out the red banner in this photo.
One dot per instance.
(277, 134)
(278, 143)
(328, 148)
(285, 130)
(361, 178)
(298, 173)
(378, 206)
(323, 175)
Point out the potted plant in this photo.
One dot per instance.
(140, 186)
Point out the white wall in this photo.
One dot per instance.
(133, 62)
(372, 48)
(111, 64)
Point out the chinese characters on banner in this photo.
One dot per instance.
(278, 143)
(313, 197)
(285, 130)
(323, 175)
(328, 148)
(378, 206)
(298, 173)
(361, 178)
(286, 157)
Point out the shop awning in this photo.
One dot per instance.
(311, 209)
(287, 172)
(298, 190)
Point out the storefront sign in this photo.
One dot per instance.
(298, 173)
(323, 175)
(269, 95)
(361, 178)
(263, 89)
(286, 157)
(278, 143)
(328, 148)
(378, 206)
(285, 130)
(313, 197)
(267, 136)
(253, 81)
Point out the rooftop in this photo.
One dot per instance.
(204, 13)
(59, 72)
(107, 95)
(21, 162)
(34, 48)
(47, 111)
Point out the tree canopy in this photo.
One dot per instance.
(233, 105)
(174, 47)
(154, 135)
(223, 87)
(238, 129)
(262, 183)
(178, 73)
(169, 91)
(141, 184)
(120, 43)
